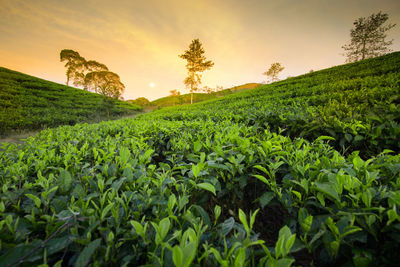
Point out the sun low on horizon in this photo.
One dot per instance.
(138, 40)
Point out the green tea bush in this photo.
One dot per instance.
(31, 104)
(271, 177)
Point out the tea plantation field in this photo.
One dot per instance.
(301, 172)
(30, 103)
(199, 97)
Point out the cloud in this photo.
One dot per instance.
(141, 40)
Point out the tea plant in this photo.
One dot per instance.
(29, 103)
(264, 181)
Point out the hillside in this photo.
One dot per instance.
(30, 103)
(199, 97)
(304, 172)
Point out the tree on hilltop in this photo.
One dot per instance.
(91, 75)
(175, 93)
(208, 90)
(368, 38)
(274, 71)
(141, 101)
(196, 63)
(104, 82)
(75, 63)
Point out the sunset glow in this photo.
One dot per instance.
(141, 39)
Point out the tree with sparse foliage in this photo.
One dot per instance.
(274, 71)
(368, 38)
(196, 63)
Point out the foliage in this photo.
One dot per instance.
(141, 101)
(368, 37)
(199, 97)
(74, 64)
(203, 186)
(175, 93)
(196, 63)
(274, 71)
(106, 83)
(92, 75)
(29, 103)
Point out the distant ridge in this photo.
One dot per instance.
(199, 97)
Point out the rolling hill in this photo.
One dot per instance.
(30, 103)
(304, 172)
(199, 97)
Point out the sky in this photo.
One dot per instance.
(141, 40)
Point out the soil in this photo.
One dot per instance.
(17, 138)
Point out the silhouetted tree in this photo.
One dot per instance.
(274, 71)
(91, 75)
(75, 64)
(196, 63)
(92, 66)
(368, 38)
(104, 82)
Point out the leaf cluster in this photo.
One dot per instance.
(92, 75)
(368, 38)
(205, 186)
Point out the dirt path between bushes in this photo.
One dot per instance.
(18, 138)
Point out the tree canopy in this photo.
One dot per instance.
(368, 38)
(141, 101)
(91, 75)
(196, 63)
(75, 64)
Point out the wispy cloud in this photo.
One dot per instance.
(141, 40)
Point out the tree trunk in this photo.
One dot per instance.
(363, 49)
(191, 94)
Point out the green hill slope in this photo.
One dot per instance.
(30, 103)
(300, 172)
(357, 104)
(199, 97)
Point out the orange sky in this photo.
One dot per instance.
(141, 39)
